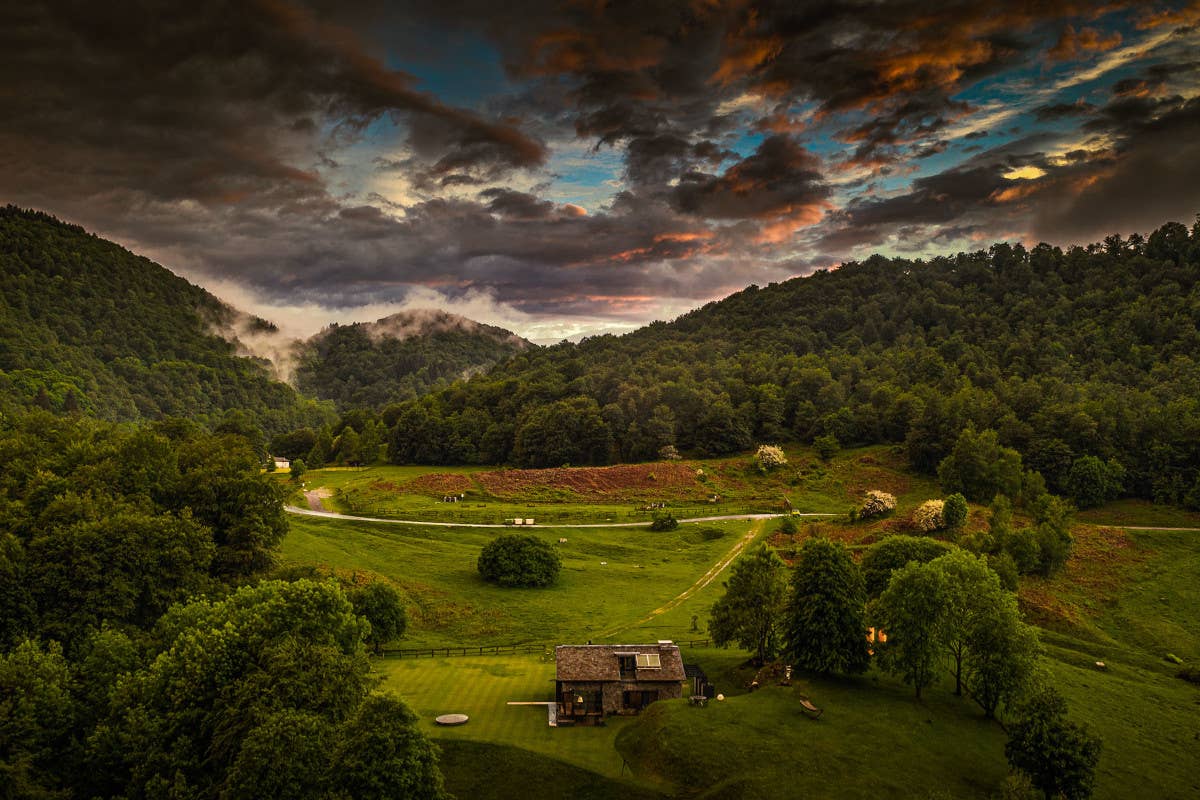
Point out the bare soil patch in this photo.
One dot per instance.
(622, 482)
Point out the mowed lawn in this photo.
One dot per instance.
(611, 577)
(481, 686)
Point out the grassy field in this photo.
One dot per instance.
(1140, 513)
(622, 493)
(505, 772)
(611, 578)
(1127, 598)
(480, 687)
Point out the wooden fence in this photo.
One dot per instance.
(491, 650)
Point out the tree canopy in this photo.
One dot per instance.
(750, 612)
(825, 629)
(87, 326)
(516, 560)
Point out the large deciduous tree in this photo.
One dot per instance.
(750, 613)
(912, 612)
(383, 607)
(825, 628)
(893, 552)
(1058, 755)
(267, 692)
(1001, 654)
(973, 598)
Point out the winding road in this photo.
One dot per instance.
(309, 512)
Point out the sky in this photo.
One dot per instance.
(571, 168)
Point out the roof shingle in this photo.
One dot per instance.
(598, 662)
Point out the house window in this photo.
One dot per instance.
(627, 665)
(649, 661)
(638, 700)
(581, 701)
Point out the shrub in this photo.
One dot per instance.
(877, 504)
(954, 511)
(1023, 546)
(788, 526)
(298, 470)
(827, 446)
(515, 560)
(1189, 674)
(1004, 566)
(769, 457)
(929, 516)
(892, 553)
(664, 522)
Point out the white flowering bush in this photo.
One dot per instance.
(929, 516)
(877, 504)
(769, 457)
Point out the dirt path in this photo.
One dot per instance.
(319, 512)
(314, 498)
(704, 580)
(1142, 527)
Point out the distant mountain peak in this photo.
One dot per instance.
(428, 321)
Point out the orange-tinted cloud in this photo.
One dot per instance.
(1072, 44)
(1187, 15)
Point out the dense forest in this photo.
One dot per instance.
(142, 653)
(1080, 363)
(1072, 358)
(399, 357)
(86, 325)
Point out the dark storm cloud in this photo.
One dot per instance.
(781, 177)
(221, 136)
(1153, 80)
(1053, 111)
(935, 200)
(1153, 176)
(212, 101)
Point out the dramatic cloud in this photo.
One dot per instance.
(582, 165)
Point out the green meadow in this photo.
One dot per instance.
(1126, 599)
(806, 484)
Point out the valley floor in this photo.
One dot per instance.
(1127, 598)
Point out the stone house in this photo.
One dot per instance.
(596, 680)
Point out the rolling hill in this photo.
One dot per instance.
(86, 325)
(1091, 351)
(399, 357)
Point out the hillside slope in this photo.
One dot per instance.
(1065, 354)
(399, 357)
(87, 325)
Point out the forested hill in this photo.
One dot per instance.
(87, 325)
(399, 357)
(1091, 351)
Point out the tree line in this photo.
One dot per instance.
(921, 610)
(1081, 362)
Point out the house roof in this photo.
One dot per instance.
(598, 662)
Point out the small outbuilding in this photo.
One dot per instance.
(596, 680)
